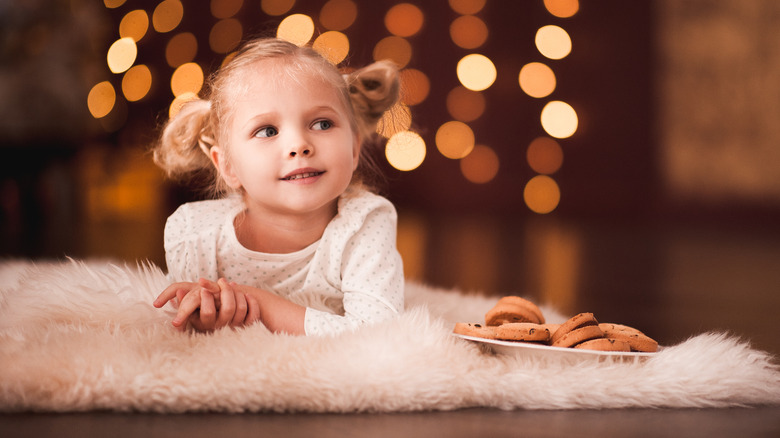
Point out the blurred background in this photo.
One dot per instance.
(617, 157)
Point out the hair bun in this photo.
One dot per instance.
(373, 90)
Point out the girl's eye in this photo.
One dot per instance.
(322, 125)
(268, 131)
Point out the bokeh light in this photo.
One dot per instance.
(481, 165)
(537, 79)
(101, 99)
(465, 105)
(467, 7)
(415, 86)
(276, 7)
(559, 119)
(167, 15)
(225, 8)
(553, 42)
(121, 55)
(113, 4)
(476, 72)
(394, 48)
(225, 35)
(396, 119)
(542, 194)
(404, 19)
(454, 139)
(134, 25)
(187, 78)
(136, 83)
(405, 150)
(338, 14)
(544, 155)
(180, 49)
(333, 45)
(562, 8)
(468, 32)
(297, 29)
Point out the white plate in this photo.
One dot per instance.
(556, 353)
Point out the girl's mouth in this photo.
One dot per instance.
(299, 176)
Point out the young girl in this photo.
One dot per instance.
(299, 244)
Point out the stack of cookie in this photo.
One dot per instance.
(517, 319)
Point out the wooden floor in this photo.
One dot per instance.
(710, 423)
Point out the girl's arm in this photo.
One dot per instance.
(275, 312)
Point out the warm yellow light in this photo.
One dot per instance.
(297, 29)
(465, 105)
(338, 14)
(468, 32)
(167, 15)
(225, 8)
(415, 86)
(553, 42)
(121, 55)
(481, 165)
(537, 79)
(404, 19)
(179, 102)
(333, 45)
(544, 155)
(394, 48)
(541, 194)
(476, 72)
(101, 99)
(276, 7)
(405, 150)
(562, 8)
(455, 139)
(396, 119)
(187, 78)
(559, 119)
(113, 4)
(180, 49)
(134, 25)
(467, 7)
(225, 35)
(136, 83)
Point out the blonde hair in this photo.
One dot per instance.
(186, 140)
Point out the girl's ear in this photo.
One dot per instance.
(224, 167)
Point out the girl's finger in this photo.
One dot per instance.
(208, 310)
(209, 285)
(170, 292)
(227, 308)
(188, 305)
(241, 310)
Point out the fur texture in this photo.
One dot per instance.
(78, 336)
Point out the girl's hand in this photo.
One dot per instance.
(209, 305)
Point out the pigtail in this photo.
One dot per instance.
(373, 90)
(183, 149)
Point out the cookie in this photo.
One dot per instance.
(513, 309)
(476, 330)
(573, 323)
(604, 344)
(578, 335)
(637, 340)
(523, 331)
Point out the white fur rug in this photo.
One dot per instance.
(80, 336)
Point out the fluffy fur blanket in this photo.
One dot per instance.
(80, 336)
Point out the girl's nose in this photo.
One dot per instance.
(303, 150)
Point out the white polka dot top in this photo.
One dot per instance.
(351, 276)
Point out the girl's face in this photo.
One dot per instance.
(292, 148)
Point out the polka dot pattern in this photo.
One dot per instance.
(353, 275)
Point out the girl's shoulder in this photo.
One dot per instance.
(208, 214)
(357, 201)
